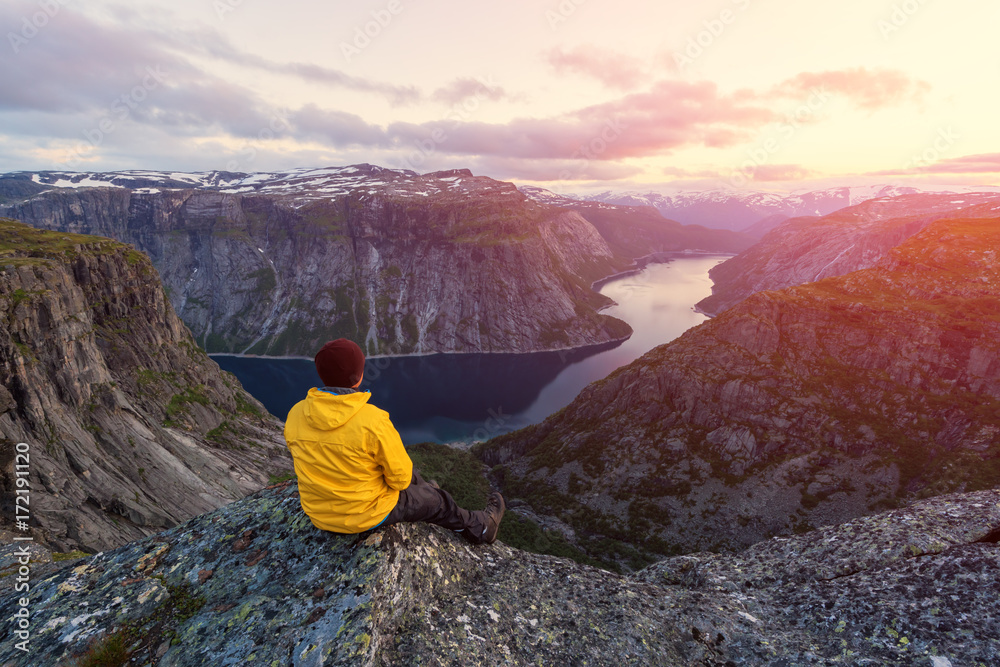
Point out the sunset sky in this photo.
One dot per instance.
(571, 95)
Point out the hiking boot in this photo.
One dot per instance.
(495, 508)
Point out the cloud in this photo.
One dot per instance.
(211, 43)
(780, 172)
(869, 90)
(676, 114)
(94, 73)
(75, 63)
(672, 115)
(337, 128)
(462, 89)
(680, 172)
(515, 169)
(132, 83)
(614, 70)
(983, 163)
(105, 75)
(586, 144)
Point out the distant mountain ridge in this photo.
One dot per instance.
(277, 263)
(640, 228)
(304, 184)
(804, 250)
(752, 212)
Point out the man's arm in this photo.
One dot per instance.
(391, 455)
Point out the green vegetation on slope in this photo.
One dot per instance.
(463, 476)
(19, 240)
(840, 396)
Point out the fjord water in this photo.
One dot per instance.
(463, 397)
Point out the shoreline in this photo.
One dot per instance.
(640, 264)
(698, 310)
(554, 350)
(659, 257)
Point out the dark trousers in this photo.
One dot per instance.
(421, 501)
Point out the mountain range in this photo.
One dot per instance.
(804, 250)
(752, 212)
(275, 264)
(739, 478)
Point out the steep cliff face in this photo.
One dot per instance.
(807, 249)
(255, 582)
(131, 428)
(793, 408)
(278, 264)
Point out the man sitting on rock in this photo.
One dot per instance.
(353, 471)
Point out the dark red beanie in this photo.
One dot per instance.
(340, 363)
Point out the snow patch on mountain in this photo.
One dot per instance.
(751, 211)
(303, 185)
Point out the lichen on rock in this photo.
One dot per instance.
(281, 591)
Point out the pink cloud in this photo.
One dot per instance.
(673, 114)
(986, 163)
(614, 70)
(680, 172)
(867, 89)
(464, 88)
(781, 172)
(548, 170)
(983, 163)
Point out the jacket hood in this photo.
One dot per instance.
(325, 410)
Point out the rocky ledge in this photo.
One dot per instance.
(255, 582)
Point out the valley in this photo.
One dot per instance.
(688, 317)
(792, 409)
(809, 404)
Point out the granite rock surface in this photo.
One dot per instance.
(255, 582)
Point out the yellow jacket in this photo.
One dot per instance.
(349, 459)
